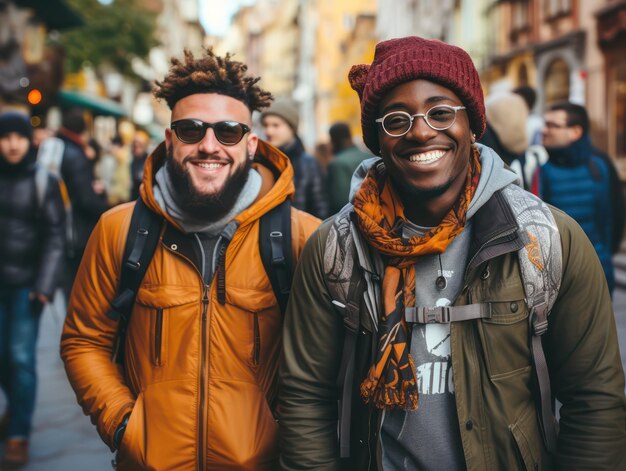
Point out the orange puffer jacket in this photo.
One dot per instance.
(198, 376)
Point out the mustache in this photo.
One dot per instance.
(206, 157)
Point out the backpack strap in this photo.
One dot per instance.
(348, 287)
(141, 242)
(276, 252)
(540, 263)
(41, 184)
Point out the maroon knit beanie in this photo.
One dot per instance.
(401, 60)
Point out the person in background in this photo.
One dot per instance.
(347, 157)
(280, 124)
(86, 195)
(139, 154)
(576, 180)
(506, 133)
(534, 123)
(324, 155)
(32, 241)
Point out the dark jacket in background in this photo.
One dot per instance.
(32, 236)
(339, 176)
(87, 205)
(136, 174)
(309, 181)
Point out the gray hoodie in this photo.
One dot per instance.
(429, 439)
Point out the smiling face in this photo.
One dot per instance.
(425, 165)
(208, 164)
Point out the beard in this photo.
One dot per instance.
(206, 207)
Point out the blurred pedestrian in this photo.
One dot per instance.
(31, 260)
(576, 180)
(346, 158)
(280, 124)
(197, 386)
(139, 153)
(323, 153)
(534, 123)
(86, 195)
(506, 133)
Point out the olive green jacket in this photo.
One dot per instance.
(491, 360)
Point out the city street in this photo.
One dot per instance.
(64, 439)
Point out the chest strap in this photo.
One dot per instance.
(447, 314)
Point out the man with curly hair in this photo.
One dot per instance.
(196, 389)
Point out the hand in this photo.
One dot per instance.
(42, 298)
(98, 186)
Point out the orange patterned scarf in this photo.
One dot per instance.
(391, 380)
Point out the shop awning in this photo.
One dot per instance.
(97, 105)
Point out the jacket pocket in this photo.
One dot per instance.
(259, 312)
(527, 437)
(131, 453)
(504, 337)
(158, 313)
(159, 351)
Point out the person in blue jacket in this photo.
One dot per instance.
(577, 180)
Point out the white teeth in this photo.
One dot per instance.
(209, 165)
(427, 157)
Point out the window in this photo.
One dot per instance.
(555, 8)
(619, 116)
(557, 84)
(521, 16)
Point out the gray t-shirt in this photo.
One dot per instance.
(428, 438)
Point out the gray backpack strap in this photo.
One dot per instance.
(41, 184)
(447, 314)
(50, 155)
(540, 262)
(348, 287)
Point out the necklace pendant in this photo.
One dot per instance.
(441, 283)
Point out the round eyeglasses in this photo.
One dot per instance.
(192, 131)
(439, 118)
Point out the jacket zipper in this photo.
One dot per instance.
(158, 336)
(256, 352)
(501, 235)
(201, 421)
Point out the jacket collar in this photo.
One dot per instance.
(275, 169)
(494, 231)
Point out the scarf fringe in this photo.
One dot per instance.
(401, 394)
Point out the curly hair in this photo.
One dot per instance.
(211, 74)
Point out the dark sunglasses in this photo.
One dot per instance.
(192, 131)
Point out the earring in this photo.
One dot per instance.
(473, 139)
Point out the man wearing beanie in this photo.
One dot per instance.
(31, 254)
(280, 124)
(417, 335)
(577, 180)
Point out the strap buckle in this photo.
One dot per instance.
(435, 315)
(539, 318)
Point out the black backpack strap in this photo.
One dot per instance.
(276, 253)
(141, 242)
